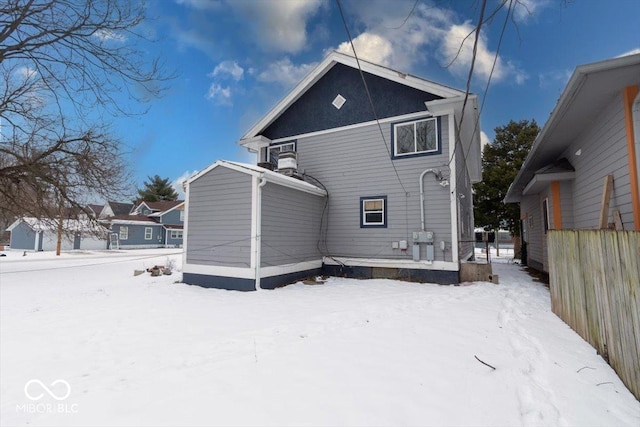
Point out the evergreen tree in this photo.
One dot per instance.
(501, 162)
(157, 190)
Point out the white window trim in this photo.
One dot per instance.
(174, 234)
(415, 143)
(546, 219)
(382, 211)
(125, 235)
(148, 231)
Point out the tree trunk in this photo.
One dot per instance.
(60, 219)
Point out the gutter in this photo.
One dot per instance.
(258, 236)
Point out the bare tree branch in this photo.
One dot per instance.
(64, 66)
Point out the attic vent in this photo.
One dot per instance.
(339, 101)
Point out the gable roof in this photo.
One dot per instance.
(120, 208)
(325, 66)
(260, 172)
(586, 93)
(164, 205)
(96, 209)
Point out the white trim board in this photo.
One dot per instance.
(270, 176)
(249, 273)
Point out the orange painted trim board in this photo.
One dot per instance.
(629, 94)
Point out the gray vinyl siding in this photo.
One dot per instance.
(356, 163)
(22, 237)
(531, 207)
(566, 203)
(136, 234)
(604, 152)
(465, 207)
(290, 225)
(219, 223)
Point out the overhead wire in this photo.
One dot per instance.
(375, 115)
(486, 90)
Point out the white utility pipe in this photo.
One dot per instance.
(258, 236)
(435, 172)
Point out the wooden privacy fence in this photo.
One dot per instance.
(595, 288)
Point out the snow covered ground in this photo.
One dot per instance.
(151, 352)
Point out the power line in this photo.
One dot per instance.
(405, 19)
(366, 88)
(486, 90)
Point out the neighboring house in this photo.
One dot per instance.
(357, 194)
(149, 225)
(111, 209)
(593, 132)
(38, 235)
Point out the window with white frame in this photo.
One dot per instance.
(176, 234)
(182, 215)
(148, 233)
(373, 211)
(545, 215)
(416, 137)
(124, 232)
(275, 150)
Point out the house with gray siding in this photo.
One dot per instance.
(34, 234)
(592, 133)
(148, 225)
(351, 180)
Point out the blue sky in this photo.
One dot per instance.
(235, 59)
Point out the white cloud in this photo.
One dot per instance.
(484, 140)
(26, 73)
(177, 183)
(631, 52)
(430, 30)
(285, 72)
(279, 26)
(219, 94)
(370, 47)
(228, 68)
(523, 10)
(458, 52)
(108, 35)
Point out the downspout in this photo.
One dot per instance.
(258, 236)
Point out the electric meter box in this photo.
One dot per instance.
(423, 237)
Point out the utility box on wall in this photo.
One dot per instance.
(423, 237)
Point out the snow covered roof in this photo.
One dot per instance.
(50, 224)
